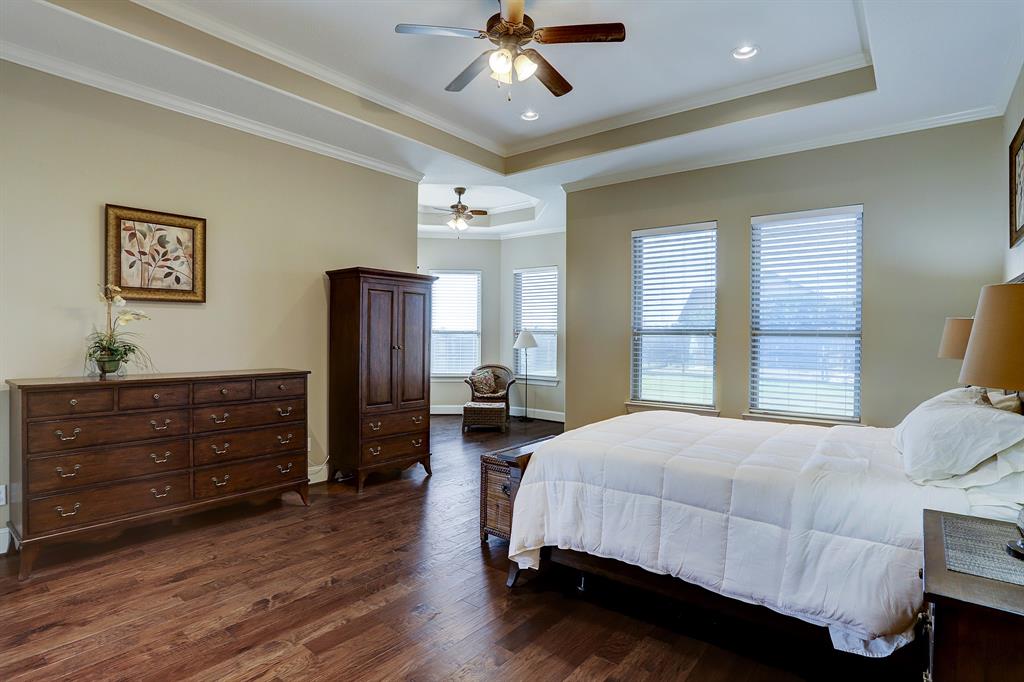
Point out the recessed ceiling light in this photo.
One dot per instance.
(744, 51)
(529, 115)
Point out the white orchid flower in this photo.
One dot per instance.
(119, 302)
(130, 315)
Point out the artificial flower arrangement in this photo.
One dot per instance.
(110, 348)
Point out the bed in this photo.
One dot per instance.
(821, 524)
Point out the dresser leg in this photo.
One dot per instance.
(513, 573)
(28, 557)
(303, 491)
(360, 479)
(426, 465)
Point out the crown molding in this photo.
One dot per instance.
(273, 51)
(119, 86)
(779, 150)
(470, 234)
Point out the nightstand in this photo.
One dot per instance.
(500, 473)
(975, 624)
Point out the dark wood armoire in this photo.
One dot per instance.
(379, 396)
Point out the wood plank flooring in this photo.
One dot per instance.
(401, 590)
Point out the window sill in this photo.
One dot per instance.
(539, 381)
(797, 419)
(642, 406)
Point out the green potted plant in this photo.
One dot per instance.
(113, 347)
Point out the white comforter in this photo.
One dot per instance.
(821, 524)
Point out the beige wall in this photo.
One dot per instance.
(1014, 264)
(934, 233)
(277, 218)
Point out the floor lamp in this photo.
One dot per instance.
(524, 342)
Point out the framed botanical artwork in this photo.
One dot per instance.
(1017, 186)
(156, 256)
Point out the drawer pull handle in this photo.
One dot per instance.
(284, 413)
(284, 440)
(375, 451)
(223, 449)
(375, 427)
(152, 422)
(223, 391)
(220, 483)
(73, 402)
(280, 387)
(74, 472)
(165, 493)
(417, 419)
(167, 456)
(74, 434)
(156, 396)
(74, 510)
(284, 470)
(506, 489)
(222, 419)
(417, 442)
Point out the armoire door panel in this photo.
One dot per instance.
(380, 308)
(414, 376)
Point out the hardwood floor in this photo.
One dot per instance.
(402, 590)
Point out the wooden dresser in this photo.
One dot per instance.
(90, 455)
(379, 402)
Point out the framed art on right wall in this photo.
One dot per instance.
(1017, 186)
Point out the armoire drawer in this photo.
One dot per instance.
(97, 504)
(151, 397)
(224, 417)
(221, 391)
(397, 422)
(283, 388)
(397, 447)
(227, 479)
(243, 444)
(61, 472)
(70, 402)
(67, 434)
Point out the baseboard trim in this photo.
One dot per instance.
(5, 539)
(547, 415)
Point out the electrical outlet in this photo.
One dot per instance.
(3, 495)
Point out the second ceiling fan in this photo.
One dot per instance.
(511, 30)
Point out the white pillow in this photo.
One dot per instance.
(952, 433)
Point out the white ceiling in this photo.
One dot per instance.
(676, 55)
(936, 63)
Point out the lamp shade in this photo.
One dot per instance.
(995, 351)
(525, 340)
(954, 337)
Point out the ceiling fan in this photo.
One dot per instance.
(459, 214)
(511, 29)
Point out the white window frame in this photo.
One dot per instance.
(637, 333)
(755, 332)
(479, 320)
(536, 378)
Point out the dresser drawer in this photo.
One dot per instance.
(227, 479)
(265, 441)
(67, 434)
(221, 418)
(143, 397)
(397, 447)
(274, 388)
(60, 472)
(221, 391)
(399, 422)
(71, 402)
(97, 504)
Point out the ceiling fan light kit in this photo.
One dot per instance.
(510, 30)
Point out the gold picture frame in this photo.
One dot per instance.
(1017, 186)
(156, 256)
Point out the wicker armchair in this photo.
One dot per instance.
(503, 379)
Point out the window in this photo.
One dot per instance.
(455, 332)
(674, 283)
(535, 307)
(805, 309)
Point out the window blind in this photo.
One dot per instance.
(674, 326)
(806, 313)
(455, 323)
(535, 307)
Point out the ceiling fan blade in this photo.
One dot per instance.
(475, 68)
(581, 33)
(478, 212)
(512, 11)
(424, 30)
(548, 75)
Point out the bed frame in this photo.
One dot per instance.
(906, 663)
